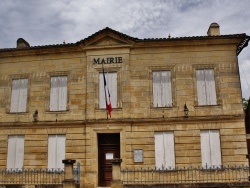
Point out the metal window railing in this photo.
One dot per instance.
(185, 175)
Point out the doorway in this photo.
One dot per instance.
(108, 149)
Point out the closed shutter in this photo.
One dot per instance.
(52, 151)
(201, 87)
(56, 151)
(62, 93)
(60, 151)
(215, 148)
(210, 148)
(210, 87)
(164, 150)
(23, 95)
(19, 95)
(58, 93)
(53, 93)
(162, 89)
(157, 89)
(166, 89)
(111, 84)
(15, 155)
(205, 149)
(14, 96)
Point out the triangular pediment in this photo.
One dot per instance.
(107, 41)
(108, 37)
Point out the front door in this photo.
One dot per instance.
(108, 149)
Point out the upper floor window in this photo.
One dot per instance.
(162, 89)
(19, 95)
(58, 93)
(108, 89)
(15, 153)
(210, 148)
(206, 87)
(56, 151)
(164, 150)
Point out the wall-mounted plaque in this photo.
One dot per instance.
(109, 156)
(138, 155)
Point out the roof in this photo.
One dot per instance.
(107, 31)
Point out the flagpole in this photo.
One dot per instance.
(104, 83)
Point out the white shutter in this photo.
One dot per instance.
(54, 94)
(11, 156)
(14, 96)
(210, 148)
(164, 150)
(201, 87)
(157, 89)
(62, 93)
(210, 87)
(205, 148)
(15, 155)
(169, 149)
(60, 154)
(56, 151)
(215, 148)
(112, 86)
(52, 151)
(19, 152)
(23, 87)
(166, 89)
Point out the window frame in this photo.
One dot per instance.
(208, 146)
(169, 73)
(162, 161)
(10, 108)
(56, 164)
(50, 91)
(11, 163)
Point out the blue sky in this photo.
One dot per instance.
(44, 22)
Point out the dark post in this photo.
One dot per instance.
(68, 181)
(116, 173)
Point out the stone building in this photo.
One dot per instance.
(176, 102)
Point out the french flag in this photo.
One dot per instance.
(107, 96)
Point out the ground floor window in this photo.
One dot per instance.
(164, 150)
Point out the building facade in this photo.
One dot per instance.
(176, 102)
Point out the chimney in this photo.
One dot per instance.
(21, 43)
(214, 29)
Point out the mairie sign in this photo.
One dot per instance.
(108, 60)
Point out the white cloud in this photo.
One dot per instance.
(43, 22)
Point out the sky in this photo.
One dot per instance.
(45, 22)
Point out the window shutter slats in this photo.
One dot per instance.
(164, 150)
(23, 90)
(162, 89)
(60, 151)
(58, 93)
(14, 96)
(19, 152)
(215, 147)
(210, 87)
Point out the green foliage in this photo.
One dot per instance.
(245, 103)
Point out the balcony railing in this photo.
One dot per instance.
(186, 175)
(35, 176)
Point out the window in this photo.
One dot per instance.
(206, 87)
(210, 148)
(19, 95)
(164, 150)
(111, 84)
(56, 151)
(162, 89)
(15, 153)
(58, 93)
